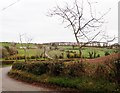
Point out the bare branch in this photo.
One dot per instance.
(10, 5)
(95, 36)
(87, 23)
(81, 26)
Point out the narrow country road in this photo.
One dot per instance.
(9, 84)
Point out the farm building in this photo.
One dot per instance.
(116, 45)
(94, 44)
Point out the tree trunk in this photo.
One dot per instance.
(80, 48)
(80, 51)
(25, 55)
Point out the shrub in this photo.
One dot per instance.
(7, 62)
(107, 53)
(11, 50)
(98, 55)
(56, 68)
(71, 55)
(4, 52)
(19, 66)
(76, 70)
(56, 57)
(37, 68)
(18, 57)
(37, 56)
(101, 71)
(28, 57)
(60, 57)
(22, 57)
(117, 74)
(116, 51)
(7, 58)
(32, 57)
(68, 55)
(62, 54)
(76, 55)
(94, 54)
(41, 55)
(90, 54)
(72, 52)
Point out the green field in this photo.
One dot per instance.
(30, 52)
(85, 51)
(61, 50)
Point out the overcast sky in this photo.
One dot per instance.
(29, 16)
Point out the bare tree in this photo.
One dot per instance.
(39, 47)
(83, 19)
(25, 46)
(13, 44)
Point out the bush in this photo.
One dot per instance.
(101, 71)
(92, 54)
(116, 51)
(19, 66)
(117, 74)
(68, 55)
(8, 62)
(4, 52)
(56, 68)
(37, 68)
(61, 57)
(107, 53)
(71, 55)
(28, 57)
(76, 55)
(72, 52)
(21, 57)
(11, 50)
(32, 57)
(18, 57)
(56, 57)
(76, 70)
(98, 55)
(37, 56)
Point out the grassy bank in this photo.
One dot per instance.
(85, 84)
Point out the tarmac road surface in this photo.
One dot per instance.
(9, 84)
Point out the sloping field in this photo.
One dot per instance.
(103, 59)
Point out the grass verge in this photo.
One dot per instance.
(85, 84)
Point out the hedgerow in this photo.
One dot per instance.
(60, 68)
(37, 68)
(7, 62)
